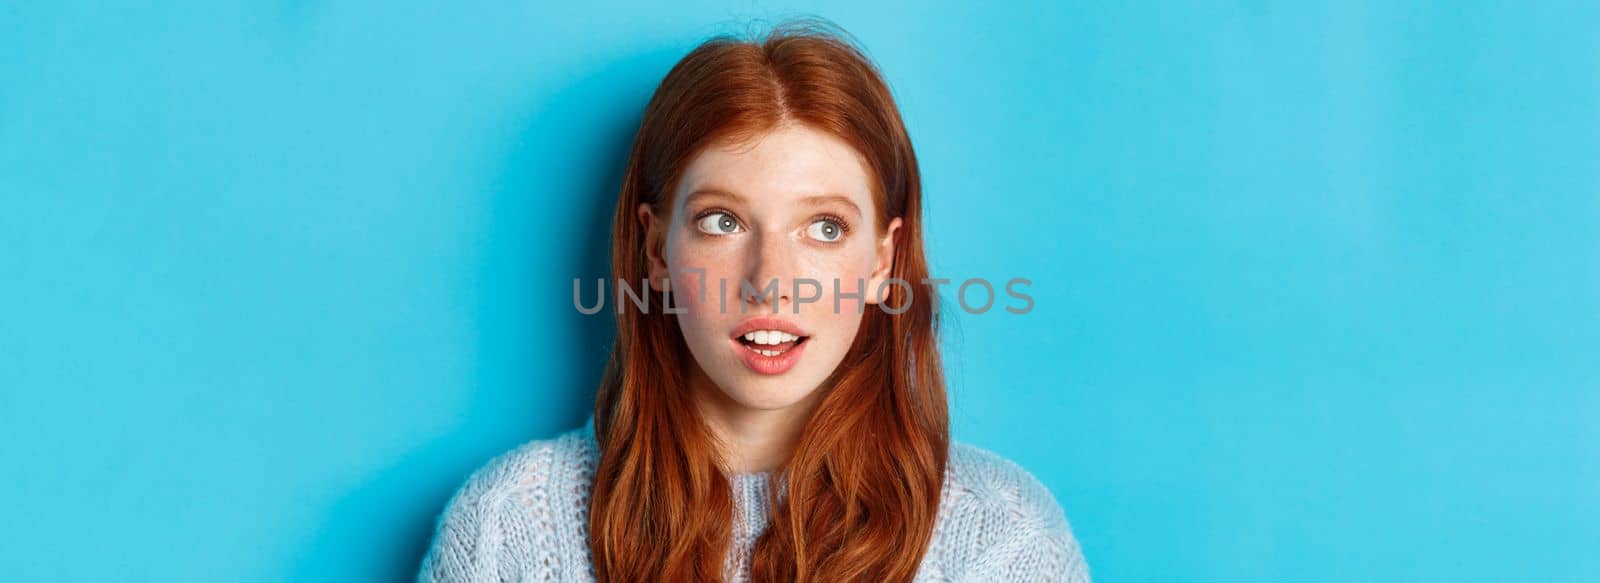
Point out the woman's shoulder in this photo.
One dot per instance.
(1013, 525)
(520, 510)
(535, 462)
(990, 477)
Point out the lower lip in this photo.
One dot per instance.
(769, 365)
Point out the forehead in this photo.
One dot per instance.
(783, 166)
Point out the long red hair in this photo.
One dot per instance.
(863, 482)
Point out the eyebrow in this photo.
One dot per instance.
(814, 200)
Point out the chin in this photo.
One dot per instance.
(765, 394)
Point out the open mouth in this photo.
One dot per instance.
(768, 345)
(770, 342)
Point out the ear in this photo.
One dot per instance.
(883, 268)
(654, 246)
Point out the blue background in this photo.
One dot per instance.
(1318, 286)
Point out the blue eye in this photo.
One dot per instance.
(718, 223)
(827, 230)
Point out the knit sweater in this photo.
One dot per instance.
(523, 516)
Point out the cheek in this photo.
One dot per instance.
(851, 296)
(688, 287)
(696, 273)
(853, 275)
(838, 327)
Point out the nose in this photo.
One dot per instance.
(768, 273)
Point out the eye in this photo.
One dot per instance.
(827, 230)
(718, 223)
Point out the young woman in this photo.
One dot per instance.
(775, 410)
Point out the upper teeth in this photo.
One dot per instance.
(770, 337)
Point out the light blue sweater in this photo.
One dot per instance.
(524, 517)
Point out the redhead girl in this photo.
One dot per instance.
(775, 409)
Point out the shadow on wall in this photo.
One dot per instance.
(562, 177)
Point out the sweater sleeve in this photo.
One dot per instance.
(1040, 555)
(1039, 544)
(467, 535)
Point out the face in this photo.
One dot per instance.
(791, 215)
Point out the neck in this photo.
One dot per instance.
(753, 440)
